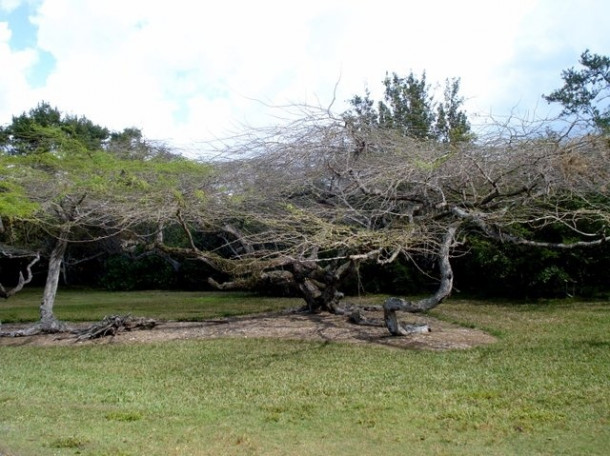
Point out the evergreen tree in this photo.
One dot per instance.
(44, 129)
(452, 123)
(409, 108)
(586, 91)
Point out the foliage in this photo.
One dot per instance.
(406, 277)
(65, 182)
(585, 91)
(409, 108)
(512, 271)
(131, 144)
(13, 199)
(44, 128)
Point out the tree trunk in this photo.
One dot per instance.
(320, 286)
(48, 322)
(391, 305)
(320, 297)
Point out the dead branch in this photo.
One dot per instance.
(111, 325)
(4, 293)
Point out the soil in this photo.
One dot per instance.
(295, 326)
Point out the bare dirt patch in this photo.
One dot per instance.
(295, 326)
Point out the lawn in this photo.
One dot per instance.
(93, 305)
(542, 389)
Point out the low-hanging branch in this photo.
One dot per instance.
(23, 280)
(495, 233)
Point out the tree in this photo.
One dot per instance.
(131, 144)
(409, 108)
(43, 129)
(585, 91)
(309, 209)
(64, 191)
(452, 125)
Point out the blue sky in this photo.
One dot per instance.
(188, 72)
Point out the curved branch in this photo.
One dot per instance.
(4, 293)
(391, 305)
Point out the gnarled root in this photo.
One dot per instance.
(46, 327)
(396, 328)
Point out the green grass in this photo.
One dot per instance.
(93, 305)
(542, 389)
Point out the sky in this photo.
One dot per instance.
(188, 73)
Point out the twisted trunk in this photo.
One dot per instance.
(320, 296)
(391, 305)
(320, 286)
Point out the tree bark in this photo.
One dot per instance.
(320, 297)
(391, 305)
(4, 293)
(320, 286)
(48, 322)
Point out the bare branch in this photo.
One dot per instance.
(4, 293)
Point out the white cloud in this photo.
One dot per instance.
(10, 5)
(14, 87)
(189, 71)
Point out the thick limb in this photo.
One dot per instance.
(23, 280)
(391, 305)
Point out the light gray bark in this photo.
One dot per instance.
(391, 305)
(48, 322)
(23, 280)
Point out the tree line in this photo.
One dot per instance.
(394, 196)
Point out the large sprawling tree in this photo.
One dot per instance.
(311, 206)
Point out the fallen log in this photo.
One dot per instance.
(111, 325)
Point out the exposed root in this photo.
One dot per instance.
(31, 331)
(358, 317)
(50, 327)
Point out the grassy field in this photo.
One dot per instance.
(542, 389)
(93, 305)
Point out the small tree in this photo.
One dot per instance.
(66, 192)
(585, 91)
(452, 124)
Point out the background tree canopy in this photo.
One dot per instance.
(586, 91)
(408, 107)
